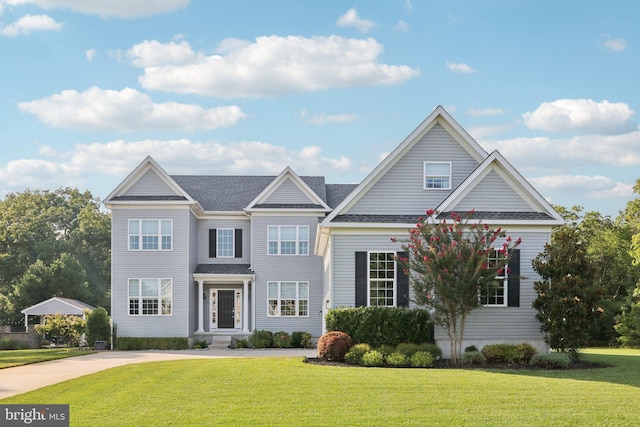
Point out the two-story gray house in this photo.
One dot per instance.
(210, 256)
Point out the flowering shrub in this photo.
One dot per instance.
(422, 359)
(355, 353)
(334, 345)
(372, 358)
(397, 359)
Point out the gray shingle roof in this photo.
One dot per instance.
(336, 193)
(408, 219)
(235, 192)
(223, 269)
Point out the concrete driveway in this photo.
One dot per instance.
(22, 379)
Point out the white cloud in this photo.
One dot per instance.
(351, 19)
(322, 118)
(585, 115)
(107, 8)
(29, 23)
(153, 53)
(408, 5)
(544, 153)
(269, 66)
(611, 44)
(485, 111)
(90, 54)
(592, 187)
(111, 162)
(125, 110)
(402, 26)
(460, 67)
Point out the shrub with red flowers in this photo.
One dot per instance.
(334, 345)
(448, 266)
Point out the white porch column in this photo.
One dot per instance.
(245, 304)
(200, 306)
(26, 322)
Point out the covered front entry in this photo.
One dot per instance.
(225, 309)
(224, 298)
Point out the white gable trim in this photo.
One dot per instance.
(146, 165)
(287, 174)
(438, 116)
(77, 306)
(496, 162)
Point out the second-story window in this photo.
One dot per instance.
(437, 175)
(150, 234)
(225, 243)
(288, 240)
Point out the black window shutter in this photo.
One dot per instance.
(402, 282)
(213, 243)
(361, 279)
(514, 279)
(237, 235)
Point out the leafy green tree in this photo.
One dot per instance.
(98, 326)
(68, 327)
(36, 229)
(568, 295)
(628, 323)
(449, 269)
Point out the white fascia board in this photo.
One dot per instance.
(223, 278)
(288, 212)
(221, 215)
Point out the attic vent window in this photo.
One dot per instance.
(437, 175)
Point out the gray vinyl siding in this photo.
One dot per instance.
(510, 323)
(289, 193)
(401, 190)
(493, 194)
(306, 268)
(204, 225)
(149, 184)
(344, 266)
(172, 264)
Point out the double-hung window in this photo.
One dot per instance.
(496, 296)
(150, 234)
(150, 297)
(288, 240)
(288, 299)
(437, 175)
(382, 279)
(225, 242)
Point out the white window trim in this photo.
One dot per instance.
(140, 235)
(297, 299)
(425, 176)
(140, 297)
(395, 279)
(505, 286)
(298, 240)
(233, 243)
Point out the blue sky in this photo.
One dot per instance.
(89, 89)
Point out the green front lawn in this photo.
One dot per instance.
(9, 358)
(285, 391)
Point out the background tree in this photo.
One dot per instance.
(568, 294)
(98, 326)
(36, 229)
(449, 269)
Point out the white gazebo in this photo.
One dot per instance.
(55, 305)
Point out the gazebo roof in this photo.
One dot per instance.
(58, 305)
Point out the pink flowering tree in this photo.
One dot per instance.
(451, 265)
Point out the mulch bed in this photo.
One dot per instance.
(445, 364)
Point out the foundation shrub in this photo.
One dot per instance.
(152, 343)
(334, 345)
(422, 359)
(301, 339)
(551, 360)
(397, 359)
(282, 340)
(373, 358)
(355, 353)
(380, 326)
(473, 358)
(508, 353)
(261, 339)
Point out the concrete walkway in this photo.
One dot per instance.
(22, 379)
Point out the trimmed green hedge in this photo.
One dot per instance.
(151, 343)
(380, 326)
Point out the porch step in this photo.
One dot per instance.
(220, 342)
